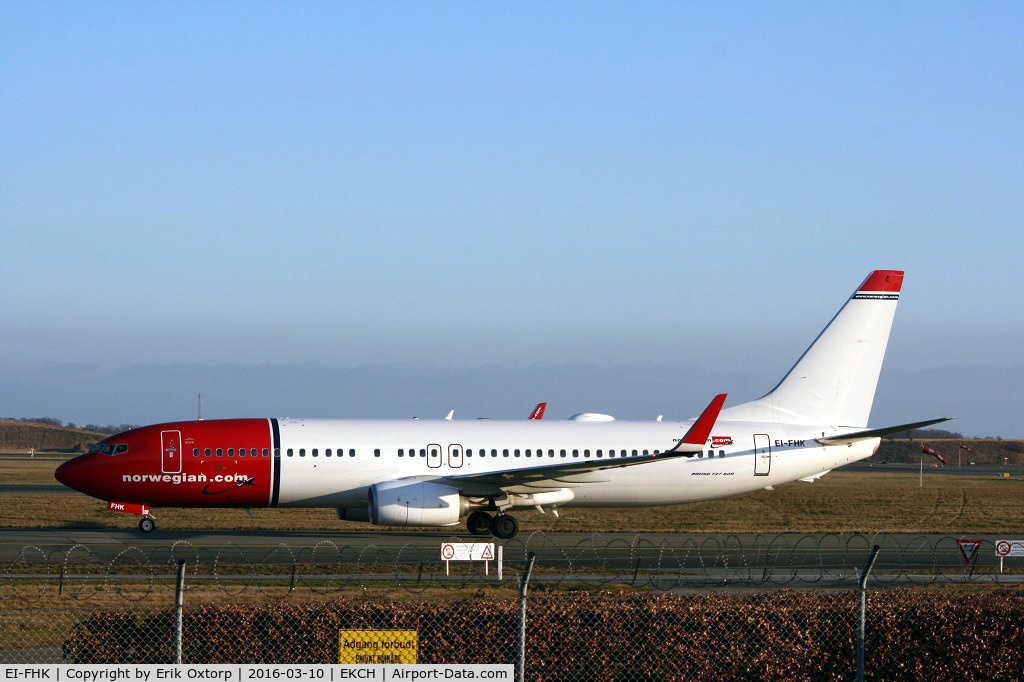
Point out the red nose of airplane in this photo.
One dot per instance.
(74, 473)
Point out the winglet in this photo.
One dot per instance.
(538, 412)
(697, 436)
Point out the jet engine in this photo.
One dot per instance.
(415, 503)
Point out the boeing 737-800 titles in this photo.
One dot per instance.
(419, 472)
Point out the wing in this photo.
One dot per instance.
(576, 473)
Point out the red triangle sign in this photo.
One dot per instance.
(969, 548)
(487, 552)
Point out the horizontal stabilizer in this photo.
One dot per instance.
(848, 438)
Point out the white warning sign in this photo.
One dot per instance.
(467, 551)
(1009, 548)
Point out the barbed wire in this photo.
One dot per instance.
(134, 572)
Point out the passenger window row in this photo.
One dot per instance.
(517, 452)
(412, 452)
(328, 452)
(242, 452)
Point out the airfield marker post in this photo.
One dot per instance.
(179, 590)
(521, 638)
(862, 588)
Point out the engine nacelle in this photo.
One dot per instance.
(415, 503)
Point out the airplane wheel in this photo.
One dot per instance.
(147, 525)
(504, 526)
(479, 523)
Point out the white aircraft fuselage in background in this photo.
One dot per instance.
(434, 472)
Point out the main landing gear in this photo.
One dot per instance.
(147, 524)
(502, 526)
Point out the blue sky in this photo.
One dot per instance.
(220, 196)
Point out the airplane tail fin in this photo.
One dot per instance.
(834, 381)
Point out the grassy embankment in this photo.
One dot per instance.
(839, 502)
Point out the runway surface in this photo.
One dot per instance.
(26, 489)
(614, 551)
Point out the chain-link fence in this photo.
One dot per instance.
(725, 608)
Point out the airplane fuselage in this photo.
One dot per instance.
(332, 463)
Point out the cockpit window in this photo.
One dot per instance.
(110, 449)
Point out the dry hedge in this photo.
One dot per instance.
(780, 635)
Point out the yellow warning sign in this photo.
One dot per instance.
(368, 647)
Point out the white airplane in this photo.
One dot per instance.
(420, 472)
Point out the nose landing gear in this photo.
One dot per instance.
(502, 526)
(147, 524)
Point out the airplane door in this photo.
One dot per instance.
(455, 456)
(433, 456)
(762, 454)
(170, 452)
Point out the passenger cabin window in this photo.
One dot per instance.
(551, 453)
(469, 453)
(266, 452)
(598, 453)
(231, 452)
(561, 453)
(302, 452)
(327, 452)
(517, 452)
(195, 452)
(316, 452)
(206, 452)
(400, 452)
(494, 452)
(352, 452)
(291, 453)
(575, 453)
(241, 452)
(376, 452)
(504, 453)
(220, 452)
